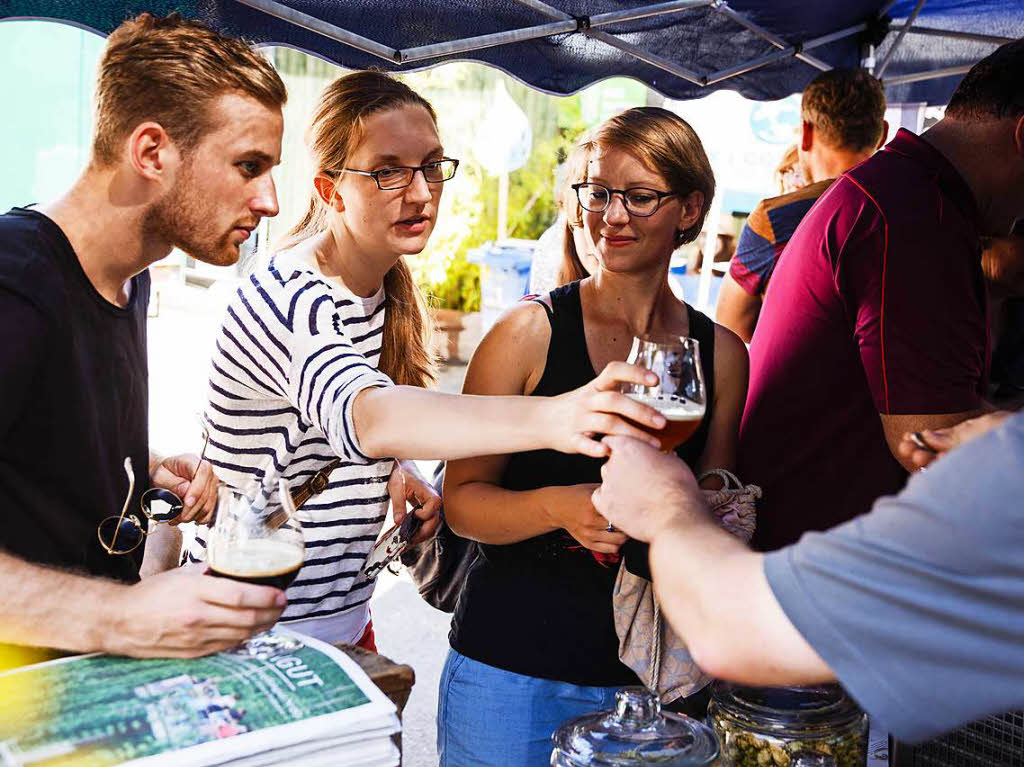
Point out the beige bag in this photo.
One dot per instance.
(647, 643)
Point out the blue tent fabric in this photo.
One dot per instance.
(702, 40)
(918, 53)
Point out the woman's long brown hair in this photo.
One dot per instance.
(335, 131)
(575, 170)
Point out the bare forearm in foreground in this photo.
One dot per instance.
(43, 607)
(176, 614)
(409, 422)
(714, 593)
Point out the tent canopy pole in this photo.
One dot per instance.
(648, 58)
(954, 35)
(723, 8)
(934, 74)
(739, 69)
(544, 30)
(313, 24)
(899, 39)
(486, 41)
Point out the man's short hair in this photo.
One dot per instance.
(993, 88)
(846, 108)
(170, 70)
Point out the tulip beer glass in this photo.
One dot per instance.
(679, 394)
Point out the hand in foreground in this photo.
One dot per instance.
(184, 614)
(943, 440)
(644, 490)
(407, 484)
(569, 508)
(192, 481)
(579, 418)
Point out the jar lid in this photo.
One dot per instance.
(635, 733)
(793, 711)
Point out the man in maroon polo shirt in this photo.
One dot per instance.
(875, 321)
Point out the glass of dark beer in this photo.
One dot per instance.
(256, 540)
(679, 394)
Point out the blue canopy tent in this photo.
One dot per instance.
(764, 49)
(685, 49)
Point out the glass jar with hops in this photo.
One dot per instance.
(817, 726)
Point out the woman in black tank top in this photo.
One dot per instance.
(533, 639)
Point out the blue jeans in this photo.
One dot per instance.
(495, 718)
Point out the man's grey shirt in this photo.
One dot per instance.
(918, 606)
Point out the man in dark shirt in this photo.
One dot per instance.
(188, 129)
(875, 321)
(843, 123)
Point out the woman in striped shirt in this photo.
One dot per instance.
(322, 356)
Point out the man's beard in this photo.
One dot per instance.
(179, 219)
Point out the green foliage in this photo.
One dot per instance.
(471, 199)
(460, 288)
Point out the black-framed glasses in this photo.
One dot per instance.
(638, 200)
(401, 176)
(125, 533)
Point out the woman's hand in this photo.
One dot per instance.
(191, 480)
(569, 508)
(578, 419)
(407, 484)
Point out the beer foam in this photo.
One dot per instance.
(259, 557)
(673, 408)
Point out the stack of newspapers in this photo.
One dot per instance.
(281, 698)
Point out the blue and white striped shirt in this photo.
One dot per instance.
(294, 350)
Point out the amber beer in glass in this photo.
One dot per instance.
(249, 542)
(679, 394)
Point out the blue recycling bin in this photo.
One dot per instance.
(504, 275)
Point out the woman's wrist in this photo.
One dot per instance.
(548, 422)
(551, 504)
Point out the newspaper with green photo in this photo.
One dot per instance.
(279, 697)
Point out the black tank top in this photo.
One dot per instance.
(543, 607)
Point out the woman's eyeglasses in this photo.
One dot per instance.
(638, 200)
(125, 533)
(401, 176)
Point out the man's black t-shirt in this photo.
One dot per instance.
(73, 401)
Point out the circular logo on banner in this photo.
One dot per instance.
(775, 122)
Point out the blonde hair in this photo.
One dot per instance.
(789, 162)
(666, 144)
(170, 70)
(336, 130)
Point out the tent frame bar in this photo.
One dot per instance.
(884, 64)
(647, 57)
(485, 41)
(646, 11)
(933, 75)
(954, 35)
(313, 24)
(723, 8)
(771, 58)
(615, 42)
(562, 23)
(570, 24)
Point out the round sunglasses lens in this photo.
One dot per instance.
(120, 538)
(161, 505)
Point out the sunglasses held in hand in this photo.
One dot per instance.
(124, 533)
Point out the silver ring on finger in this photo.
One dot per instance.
(610, 528)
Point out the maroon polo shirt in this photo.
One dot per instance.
(877, 307)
